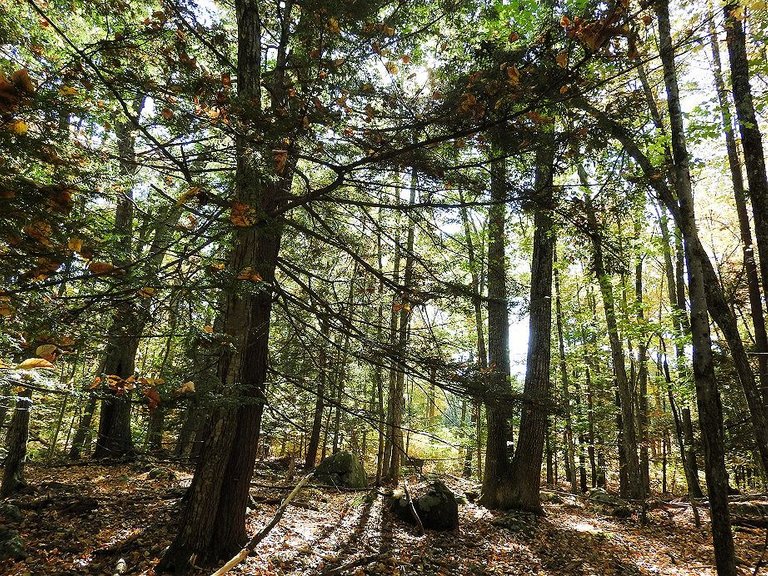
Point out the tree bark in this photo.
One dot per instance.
(633, 487)
(707, 395)
(751, 139)
(740, 198)
(496, 471)
(213, 520)
(526, 464)
(16, 445)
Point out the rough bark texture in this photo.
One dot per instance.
(751, 139)
(740, 195)
(16, 444)
(526, 464)
(496, 472)
(707, 395)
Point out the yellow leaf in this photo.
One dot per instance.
(281, 158)
(513, 75)
(146, 292)
(46, 351)
(242, 215)
(333, 25)
(32, 363)
(208, 329)
(18, 127)
(186, 388)
(67, 90)
(75, 244)
(391, 67)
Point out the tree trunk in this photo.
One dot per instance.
(403, 308)
(213, 520)
(16, 445)
(707, 396)
(83, 432)
(496, 469)
(526, 463)
(569, 441)
(634, 486)
(740, 199)
(317, 421)
(751, 139)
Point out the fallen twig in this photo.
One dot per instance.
(412, 507)
(261, 534)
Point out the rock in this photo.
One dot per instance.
(551, 497)
(9, 512)
(342, 469)
(11, 545)
(437, 507)
(161, 474)
(616, 506)
(600, 496)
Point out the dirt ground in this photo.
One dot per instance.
(85, 519)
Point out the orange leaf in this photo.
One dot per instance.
(33, 363)
(562, 59)
(100, 268)
(242, 215)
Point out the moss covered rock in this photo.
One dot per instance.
(342, 469)
(11, 545)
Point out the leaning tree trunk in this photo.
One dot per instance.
(16, 444)
(523, 489)
(707, 395)
(496, 471)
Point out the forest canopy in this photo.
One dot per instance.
(517, 244)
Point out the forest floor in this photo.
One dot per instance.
(84, 519)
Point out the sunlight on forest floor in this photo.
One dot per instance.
(83, 519)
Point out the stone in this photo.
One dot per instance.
(342, 469)
(9, 512)
(436, 506)
(11, 545)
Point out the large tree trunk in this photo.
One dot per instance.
(707, 395)
(16, 445)
(496, 472)
(213, 520)
(526, 464)
(317, 420)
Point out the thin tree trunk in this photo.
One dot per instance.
(569, 441)
(634, 487)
